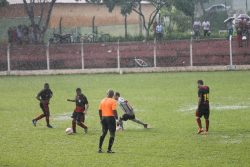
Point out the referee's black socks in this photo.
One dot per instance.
(111, 141)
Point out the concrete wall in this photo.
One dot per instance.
(100, 55)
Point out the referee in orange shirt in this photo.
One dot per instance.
(108, 117)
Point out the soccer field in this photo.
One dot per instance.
(166, 101)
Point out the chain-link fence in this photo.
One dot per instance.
(182, 53)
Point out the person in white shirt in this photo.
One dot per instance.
(206, 28)
(196, 29)
(159, 32)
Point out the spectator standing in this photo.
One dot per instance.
(196, 29)
(19, 34)
(206, 28)
(230, 29)
(159, 31)
(10, 35)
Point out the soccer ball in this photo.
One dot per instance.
(69, 131)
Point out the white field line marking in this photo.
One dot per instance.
(215, 108)
(63, 117)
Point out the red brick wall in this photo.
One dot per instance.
(3, 58)
(169, 54)
(28, 57)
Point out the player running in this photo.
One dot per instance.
(78, 115)
(128, 111)
(108, 117)
(44, 97)
(203, 106)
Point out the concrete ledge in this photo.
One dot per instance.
(127, 70)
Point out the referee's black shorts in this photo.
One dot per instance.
(108, 123)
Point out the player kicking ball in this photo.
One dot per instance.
(44, 97)
(78, 115)
(128, 111)
(203, 106)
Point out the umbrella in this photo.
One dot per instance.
(243, 16)
(229, 19)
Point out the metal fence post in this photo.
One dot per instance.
(47, 56)
(8, 58)
(82, 55)
(118, 55)
(155, 65)
(191, 51)
(231, 52)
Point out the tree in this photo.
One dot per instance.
(126, 9)
(109, 3)
(177, 19)
(158, 5)
(127, 6)
(186, 6)
(3, 3)
(40, 25)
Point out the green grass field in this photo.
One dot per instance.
(164, 100)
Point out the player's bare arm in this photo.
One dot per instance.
(115, 114)
(199, 102)
(100, 114)
(116, 117)
(71, 100)
(38, 97)
(86, 108)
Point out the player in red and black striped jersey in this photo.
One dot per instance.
(203, 106)
(78, 115)
(44, 97)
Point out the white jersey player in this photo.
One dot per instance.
(128, 111)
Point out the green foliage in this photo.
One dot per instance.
(94, 1)
(186, 6)
(128, 38)
(126, 7)
(217, 20)
(178, 21)
(177, 35)
(166, 101)
(110, 4)
(3, 3)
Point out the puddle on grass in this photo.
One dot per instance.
(63, 117)
(216, 107)
(231, 140)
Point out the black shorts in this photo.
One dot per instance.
(78, 116)
(126, 117)
(45, 109)
(206, 33)
(108, 123)
(203, 110)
